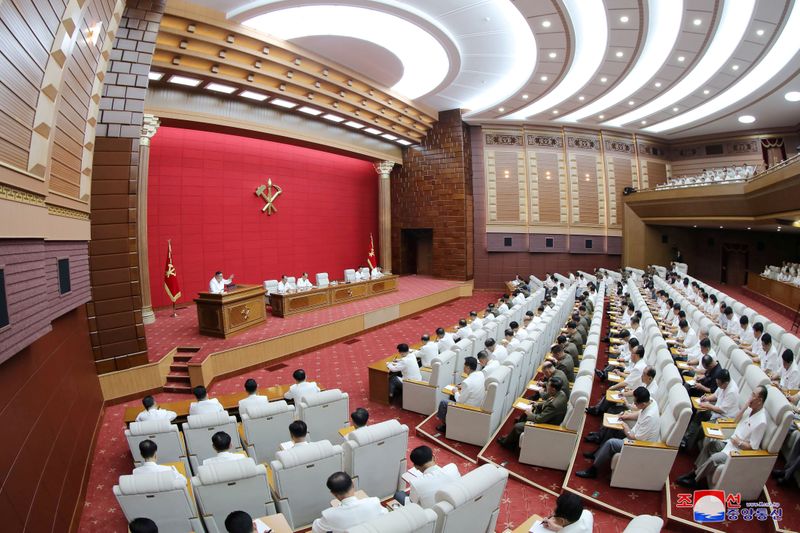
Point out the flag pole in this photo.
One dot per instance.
(174, 311)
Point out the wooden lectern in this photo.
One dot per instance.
(224, 315)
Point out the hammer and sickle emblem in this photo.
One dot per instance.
(269, 193)
(245, 312)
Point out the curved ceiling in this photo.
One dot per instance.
(671, 68)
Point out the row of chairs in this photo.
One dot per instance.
(322, 280)
(746, 474)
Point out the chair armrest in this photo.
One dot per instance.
(753, 453)
(271, 479)
(457, 405)
(421, 383)
(242, 435)
(648, 444)
(551, 427)
(425, 369)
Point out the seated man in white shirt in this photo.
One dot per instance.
(745, 335)
(464, 330)
(204, 404)
(359, 417)
(152, 411)
(359, 276)
(789, 376)
(724, 402)
(509, 341)
(770, 362)
(569, 515)
(304, 283)
(495, 350)
(444, 340)
(283, 285)
(408, 368)
(148, 449)
(647, 428)
(253, 399)
(470, 392)
(376, 273)
(221, 442)
(519, 298)
(218, 283)
(485, 363)
(301, 387)
(427, 351)
(145, 525)
(476, 321)
(428, 478)
(503, 305)
(351, 510)
(756, 349)
(751, 425)
(238, 522)
(298, 433)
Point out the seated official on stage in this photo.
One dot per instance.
(304, 283)
(253, 399)
(550, 411)
(153, 412)
(148, 449)
(360, 276)
(218, 283)
(283, 285)
(221, 442)
(301, 387)
(204, 404)
(376, 273)
(471, 391)
(407, 366)
(426, 478)
(351, 510)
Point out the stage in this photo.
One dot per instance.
(277, 338)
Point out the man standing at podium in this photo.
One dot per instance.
(217, 283)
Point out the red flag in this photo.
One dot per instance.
(171, 284)
(372, 260)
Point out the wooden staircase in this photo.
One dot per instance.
(178, 377)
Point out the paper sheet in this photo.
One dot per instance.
(261, 527)
(714, 432)
(538, 527)
(613, 420)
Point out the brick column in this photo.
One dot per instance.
(116, 323)
(384, 170)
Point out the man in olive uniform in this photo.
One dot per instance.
(550, 411)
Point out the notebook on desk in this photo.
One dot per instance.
(261, 527)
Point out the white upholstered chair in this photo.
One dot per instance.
(471, 503)
(423, 397)
(375, 456)
(198, 430)
(325, 413)
(410, 518)
(169, 440)
(322, 279)
(475, 425)
(160, 497)
(265, 427)
(645, 523)
(271, 286)
(349, 275)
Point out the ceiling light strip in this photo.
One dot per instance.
(590, 30)
(733, 23)
(785, 47)
(663, 26)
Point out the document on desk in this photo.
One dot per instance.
(716, 433)
(449, 389)
(522, 404)
(538, 527)
(261, 527)
(410, 475)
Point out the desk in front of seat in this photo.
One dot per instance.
(294, 302)
(379, 377)
(229, 401)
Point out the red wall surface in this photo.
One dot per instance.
(202, 196)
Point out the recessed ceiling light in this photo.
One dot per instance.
(601, 117)
(624, 18)
(552, 55)
(372, 131)
(675, 109)
(631, 102)
(694, 226)
(220, 88)
(389, 136)
(280, 102)
(183, 80)
(525, 96)
(735, 67)
(155, 75)
(681, 59)
(747, 119)
(310, 111)
(543, 78)
(619, 53)
(644, 122)
(721, 227)
(404, 142)
(792, 96)
(353, 124)
(555, 111)
(749, 227)
(253, 96)
(545, 23)
(697, 22)
(332, 117)
(603, 79)
(502, 109)
(657, 84)
(759, 32)
(706, 91)
(779, 228)
(581, 98)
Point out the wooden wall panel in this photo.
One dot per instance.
(588, 200)
(692, 159)
(508, 184)
(548, 187)
(655, 174)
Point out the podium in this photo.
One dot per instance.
(224, 315)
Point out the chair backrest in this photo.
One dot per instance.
(160, 497)
(163, 433)
(350, 274)
(776, 332)
(364, 271)
(376, 454)
(667, 378)
(300, 474)
(228, 486)
(675, 416)
(325, 413)
(265, 427)
(715, 334)
(472, 502)
(411, 518)
(443, 366)
(322, 279)
(198, 430)
(271, 285)
(753, 377)
(496, 386)
(515, 363)
(738, 365)
(578, 400)
(791, 342)
(645, 524)
(779, 420)
(726, 345)
(478, 338)
(586, 368)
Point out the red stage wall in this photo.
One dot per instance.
(202, 196)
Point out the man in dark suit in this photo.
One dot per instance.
(551, 411)
(549, 370)
(707, 384)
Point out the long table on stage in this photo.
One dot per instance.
(779, 292)
(294, 302)
(223, 315)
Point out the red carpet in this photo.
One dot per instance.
(167, 332)
(341, 365)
